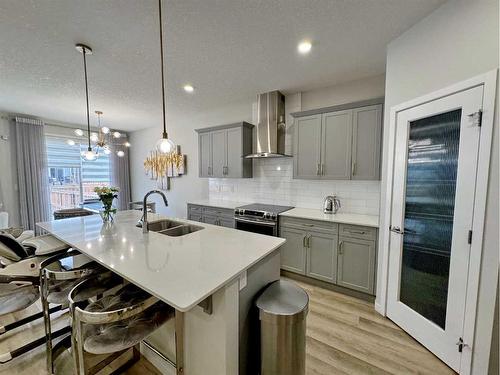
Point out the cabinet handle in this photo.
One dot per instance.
(318, 169)
(341, 251)
(304, 241)
(322, 169)
(356, 231)
(353, 168)
(309, 241)
(308, 225)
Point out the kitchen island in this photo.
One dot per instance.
(210, 277)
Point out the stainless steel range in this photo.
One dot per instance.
(259, 218)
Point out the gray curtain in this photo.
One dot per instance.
(120, 176)
(34, 202)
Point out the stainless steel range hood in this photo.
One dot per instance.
(270, 130)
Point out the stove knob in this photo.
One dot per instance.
(273, 216)
(242, 212)
(267, 215)
(236, 212)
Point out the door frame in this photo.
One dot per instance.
(483, 342)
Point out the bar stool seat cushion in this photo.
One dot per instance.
(17, 297)
(59, 289)
(124, 334)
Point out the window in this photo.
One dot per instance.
(72, 180)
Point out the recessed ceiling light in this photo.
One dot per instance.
(70, 142)
(188, 88)
(79, 132)
(304, 47)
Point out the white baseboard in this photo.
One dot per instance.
(379, 308)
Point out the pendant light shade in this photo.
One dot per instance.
(89, 154)
(164, 144)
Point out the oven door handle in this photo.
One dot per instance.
(255, 222)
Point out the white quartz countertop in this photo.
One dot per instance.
(181, 271)
(219, 203)
(341, 218)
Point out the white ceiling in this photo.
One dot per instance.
(230, 50)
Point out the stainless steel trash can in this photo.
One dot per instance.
(283, 309)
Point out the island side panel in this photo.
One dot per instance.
(211, 341)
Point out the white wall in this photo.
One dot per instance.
(273, 178)
(457, 41)
(8, 172)
(362, 89)
(181, 128)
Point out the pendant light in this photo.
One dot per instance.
(164, 145)
(89, 154)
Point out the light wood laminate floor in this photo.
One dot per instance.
(344, 336)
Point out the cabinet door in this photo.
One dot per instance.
(322, 256)
(336, 145)
(293, 255)
(205, 154)
(307, 142)
(234, 163)
(228, 223)
(219, 152)
(366, 135)
(195, 217)
(214, 220)
(356, 264)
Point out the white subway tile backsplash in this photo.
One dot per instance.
(273, 183)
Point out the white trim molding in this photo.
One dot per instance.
(478, 344)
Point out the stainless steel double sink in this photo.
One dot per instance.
(172, 228)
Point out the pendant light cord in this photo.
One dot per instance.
(84, 51)
(162, 74)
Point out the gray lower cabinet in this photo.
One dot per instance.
(223, 217)
(293, 252)
(356, 264)
(210, 219)
(336, 253)
(321, 260)
(338, 145)
(221, 151)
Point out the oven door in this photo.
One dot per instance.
(257, 226)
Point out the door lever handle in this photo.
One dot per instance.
(396, 230)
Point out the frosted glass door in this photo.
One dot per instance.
(434, 185)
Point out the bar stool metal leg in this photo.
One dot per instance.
(179, 342)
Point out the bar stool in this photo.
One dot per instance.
(58, 275)
(113, 324)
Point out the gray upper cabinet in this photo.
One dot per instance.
(221, 150)
(366, 145)
(338, 145)
(234, 153)
(307, 155)
(219, 154)
(205, 153)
